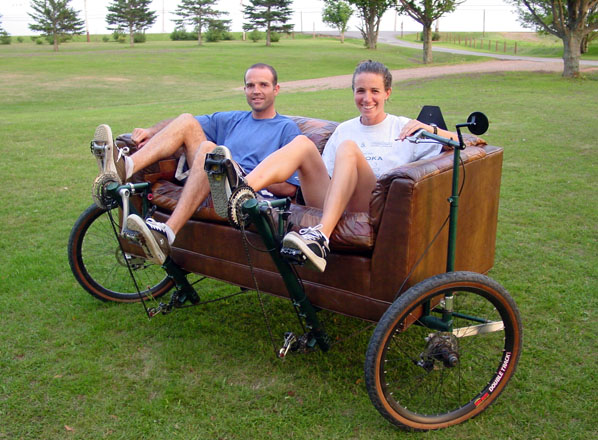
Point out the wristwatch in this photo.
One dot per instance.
(435, 128)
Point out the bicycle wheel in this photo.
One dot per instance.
(99, 265)
(421, 376)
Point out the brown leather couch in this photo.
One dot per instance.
(373, 253)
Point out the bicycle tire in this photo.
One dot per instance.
(98, 264)
(422, 379)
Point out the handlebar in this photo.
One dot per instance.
(416, 138)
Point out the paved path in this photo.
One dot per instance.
(499, 63)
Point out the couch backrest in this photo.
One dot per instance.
(317, 130)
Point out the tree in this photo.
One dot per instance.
(132, 15)
(337, 14)
(197, 13)
(570, 20)
(4, 36)
(271, 15)
(426, 12)
(371, 12)
(55, 19)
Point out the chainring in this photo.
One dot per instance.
(235, 214)
(99, 193)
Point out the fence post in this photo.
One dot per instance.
(505, 47)
(515, 48)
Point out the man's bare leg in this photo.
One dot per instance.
(195, 191)
(156, 237)
(184, 130)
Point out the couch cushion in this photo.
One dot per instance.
(353, 232)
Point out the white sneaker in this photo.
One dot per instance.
(152, 237)
(222, 184)
(110, 159)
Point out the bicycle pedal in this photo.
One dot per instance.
(293, 256)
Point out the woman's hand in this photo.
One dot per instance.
(411, 127)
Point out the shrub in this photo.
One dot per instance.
(39, 41)
(436, 36)
(274, 37)
(255, 35)
(139, 37)
(105, 38)
(20, 39)
(182, 35)
(5, 38)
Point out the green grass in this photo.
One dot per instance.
(528, 44)
(105, 371)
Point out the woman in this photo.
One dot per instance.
(356, 155)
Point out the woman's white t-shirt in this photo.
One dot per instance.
(378, 144)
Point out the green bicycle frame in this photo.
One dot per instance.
(259, 212)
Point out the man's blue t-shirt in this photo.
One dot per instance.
(249, 140)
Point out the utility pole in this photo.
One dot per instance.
(484, 24)
(163, 14)
(86, 22)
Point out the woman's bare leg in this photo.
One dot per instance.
(351, 187)
(298, 155)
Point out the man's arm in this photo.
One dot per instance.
(142, 135)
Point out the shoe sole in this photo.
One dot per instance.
(103, 135)
(219, 186)
(152, 249)
(294, 241)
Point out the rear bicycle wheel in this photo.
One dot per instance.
(99, 265)
(421, 376)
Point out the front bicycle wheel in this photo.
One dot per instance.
(424, 372)
(99, 265)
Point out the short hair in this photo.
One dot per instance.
(369, 66)
(262, 66)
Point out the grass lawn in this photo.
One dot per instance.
(528, 43)
(73, 367)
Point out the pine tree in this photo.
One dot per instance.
(55, 19)
(271, 15)
(132, 15)
(197, 13)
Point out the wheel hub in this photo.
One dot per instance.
(440, 347)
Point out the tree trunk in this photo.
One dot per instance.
(571, 54)
(268, 35)
(427, 39)
(199, 36)
(55, 43)
(342, 36)
(131, 37)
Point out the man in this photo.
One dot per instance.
(249, 135)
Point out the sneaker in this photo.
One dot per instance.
(223, 180)
(152, 237)
(312, 243)
(110, 158)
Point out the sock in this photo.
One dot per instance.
(169, 234)
(129, 165)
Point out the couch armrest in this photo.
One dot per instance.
(410, 205)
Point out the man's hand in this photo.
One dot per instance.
(141, 135)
